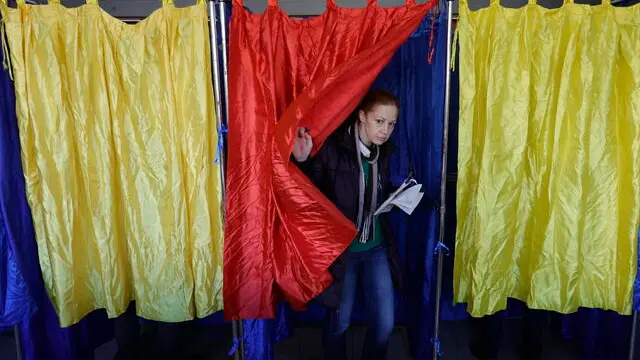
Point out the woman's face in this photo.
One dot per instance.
(376, 126)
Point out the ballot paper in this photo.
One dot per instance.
(406, 198)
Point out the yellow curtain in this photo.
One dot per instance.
(118, 135)
(549, 157)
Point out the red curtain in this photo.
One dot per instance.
(282, 234)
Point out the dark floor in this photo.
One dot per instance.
(7, 347)
(455, 338)
(306, 344)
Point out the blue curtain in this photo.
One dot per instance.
(16, 302)
(600, 335)
(603, 334)
(636, 284)
(420, 87)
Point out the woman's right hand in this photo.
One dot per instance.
(302, 145)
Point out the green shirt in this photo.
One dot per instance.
(378, 237)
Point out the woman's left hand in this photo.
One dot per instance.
(302, 146)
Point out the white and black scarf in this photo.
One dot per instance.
(365, 213)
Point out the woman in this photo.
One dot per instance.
(352, 170)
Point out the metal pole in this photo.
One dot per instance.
(632, 343)
(443, 179)
(18, 339)
(225, 61)
(215, 58)
(213, 40)
(215, 20)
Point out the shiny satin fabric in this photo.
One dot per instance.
(282, 234)
(118, 136)
(27, 303)
(17, 243)
(418, 139)
(549, 157)
(16, 303)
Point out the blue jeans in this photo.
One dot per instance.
(371, 270)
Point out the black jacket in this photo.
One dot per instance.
(335, 171)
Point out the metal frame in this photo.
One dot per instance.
(443, 182)
(218, 28)
(225, 52)
(18, 340)
(443, 186)
(215, 65)
(216, 18)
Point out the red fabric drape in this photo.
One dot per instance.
(281, 232)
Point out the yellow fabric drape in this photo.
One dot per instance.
(549, 157)
(118, 135)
